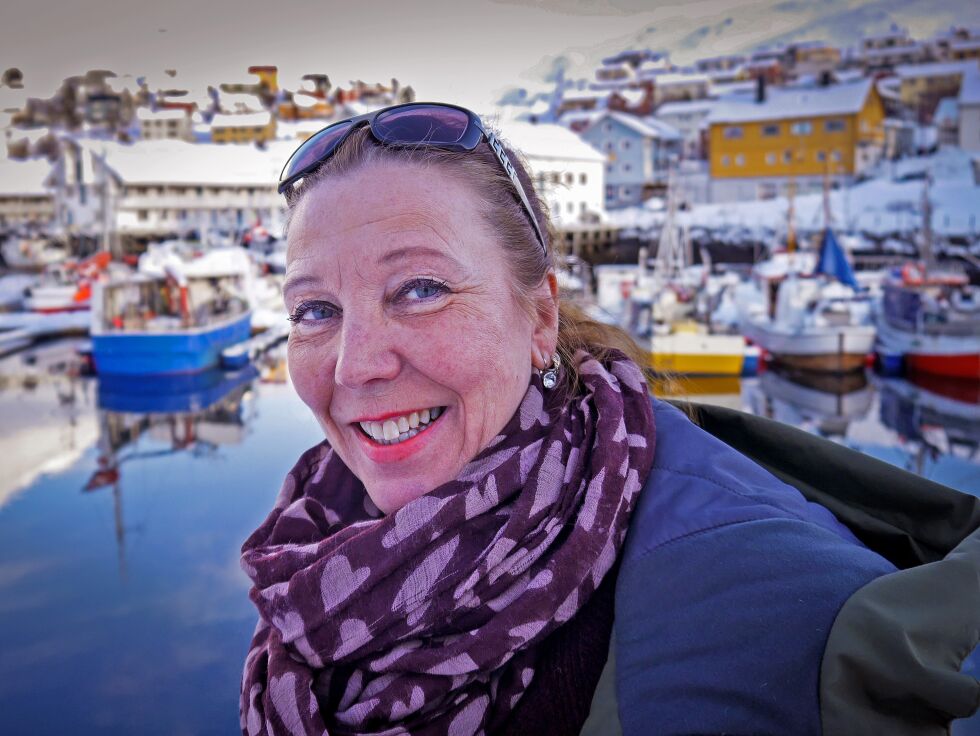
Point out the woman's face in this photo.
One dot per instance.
(408, 343)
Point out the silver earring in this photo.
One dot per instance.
(550, 377)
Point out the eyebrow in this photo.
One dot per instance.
(294, 282)
(415, 250)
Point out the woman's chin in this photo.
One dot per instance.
(389, 496)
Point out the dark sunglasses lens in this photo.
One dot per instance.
(421, 124)
(314, 150)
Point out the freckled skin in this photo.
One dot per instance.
(470, 350)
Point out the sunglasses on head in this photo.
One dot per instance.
(410, 125)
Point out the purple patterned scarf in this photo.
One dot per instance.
(426, 621)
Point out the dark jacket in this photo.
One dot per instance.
(744, 607)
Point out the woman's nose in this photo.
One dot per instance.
(366, 353)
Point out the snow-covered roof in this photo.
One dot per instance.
(648, 127)
(242, 120)
(935, 69)
(548, 141)
(23, 177)
(970, 89)
(301, 99)
(676, 79)
(243, 101)
(794, 102)
(725, 89)
(690, 107)
(890, 51)
(632, 96)
(180, 162)
(294, 129)
(144, 113)
(970, 44)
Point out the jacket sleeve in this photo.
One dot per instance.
(723, 630)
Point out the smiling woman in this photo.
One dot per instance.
(453, 558)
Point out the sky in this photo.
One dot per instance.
(470, 52)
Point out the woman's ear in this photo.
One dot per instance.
(544, 339)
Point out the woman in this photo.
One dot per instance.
(454, 557)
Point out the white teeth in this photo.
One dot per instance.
(393, 431)
(390, 430)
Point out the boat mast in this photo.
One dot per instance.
(926, 250)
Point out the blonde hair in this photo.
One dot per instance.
(504, 214)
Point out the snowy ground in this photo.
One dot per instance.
(887, 204)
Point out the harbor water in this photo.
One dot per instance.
(123, 506)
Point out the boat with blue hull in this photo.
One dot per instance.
(180, 351)
(148, 325)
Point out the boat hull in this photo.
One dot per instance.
(941, 355)
(698, 355)
(182, 351)
(827, 350)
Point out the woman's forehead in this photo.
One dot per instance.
(377, 210)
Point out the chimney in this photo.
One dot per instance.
(760, 88)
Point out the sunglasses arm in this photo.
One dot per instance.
(498, 149)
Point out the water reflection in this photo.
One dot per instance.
(823, 403)
(123, 506)
(195, 413)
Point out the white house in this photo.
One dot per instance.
(570, 176)
(969, 112)
(155, 189)
(25, 197)
(160, 124)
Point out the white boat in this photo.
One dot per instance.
(808, 321)
(30, 252)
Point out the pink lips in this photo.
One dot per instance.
(394, 453)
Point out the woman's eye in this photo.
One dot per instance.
(311, 312)
(422, 289)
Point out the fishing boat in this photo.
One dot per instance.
(66, 286)
(146, 325)
(814, 321)
(662, 311)
(928, 316)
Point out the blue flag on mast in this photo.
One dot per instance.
(833, 260)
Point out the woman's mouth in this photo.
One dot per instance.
(395, 430)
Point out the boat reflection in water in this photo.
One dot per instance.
(941, 414)
(717, 390)
(822, 402)
(192, 412)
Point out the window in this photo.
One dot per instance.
(609, 145)
(726, 160)
(627, 167)
(834, 126)
(142, 215)
(570, 207)
(771, 159)
(821, 156)
(626, 192)
(836, 156)
(732, 132)
(569, 177)
(609, 168)
(582, 179)
(624, 144)
(740, 160)
(555, 178)
(581, 207)
(770, 131)
(803, 127)
(607, 127)
(199, 191)
(787, 156)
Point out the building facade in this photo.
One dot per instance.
(794, 136)
(638, 152)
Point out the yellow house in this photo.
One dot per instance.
(253, 127)
(758, 143)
